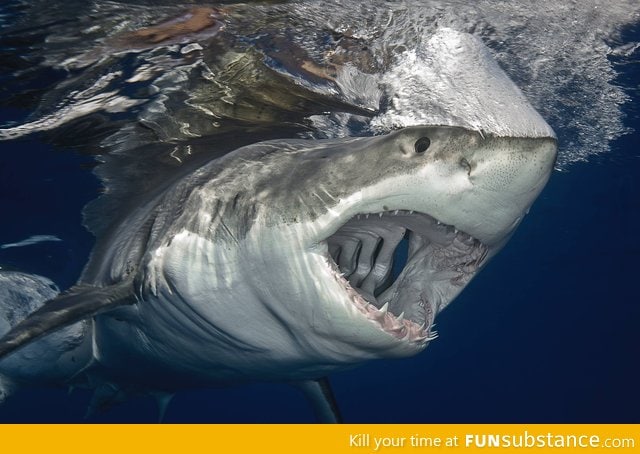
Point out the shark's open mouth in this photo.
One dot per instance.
(400, 268)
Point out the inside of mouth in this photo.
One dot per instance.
(404, 261)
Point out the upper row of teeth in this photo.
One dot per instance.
(396, 213)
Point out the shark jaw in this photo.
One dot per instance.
(398, 269)
(392, 255)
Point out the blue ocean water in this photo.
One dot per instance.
(547, 333)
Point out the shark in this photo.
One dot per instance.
(290, 259)
(276, 262)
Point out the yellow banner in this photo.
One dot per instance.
(302, 439)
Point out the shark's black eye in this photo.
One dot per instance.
(421, 145)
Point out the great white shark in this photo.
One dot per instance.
(275, 261)
(288, 260)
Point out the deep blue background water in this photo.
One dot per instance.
(548, 332)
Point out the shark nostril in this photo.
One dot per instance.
(465, 165)
(422, 145)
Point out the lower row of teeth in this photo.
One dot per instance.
(398, 327)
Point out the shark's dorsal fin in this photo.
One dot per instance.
(322, 399)
(80, 302)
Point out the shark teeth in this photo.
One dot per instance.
(366, 246)
(386, 213)
(400, 328)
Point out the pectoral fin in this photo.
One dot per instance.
(321, 397)
(80, 302)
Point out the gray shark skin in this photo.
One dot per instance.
(290, 259)
(235, 257)
(274, 262)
